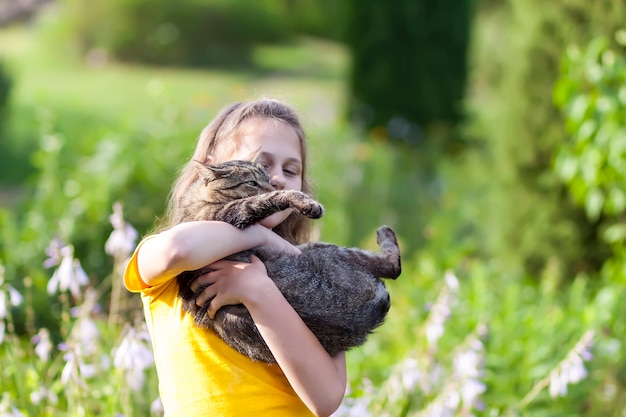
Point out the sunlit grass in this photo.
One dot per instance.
(43, 79)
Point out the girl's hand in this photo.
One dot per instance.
(275, 241)
(230, 283)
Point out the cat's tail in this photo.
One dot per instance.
(390, 250)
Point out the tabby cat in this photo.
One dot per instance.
(337, 291)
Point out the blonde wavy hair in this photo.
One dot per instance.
(218, 140)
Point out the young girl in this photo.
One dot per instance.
(199, 375)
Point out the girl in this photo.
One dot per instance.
(199, 375)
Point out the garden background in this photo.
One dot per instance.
(491, 135)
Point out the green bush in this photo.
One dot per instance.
(524, 215)
(324, 19)
(592, 97)
(409, 64)
(165, 32)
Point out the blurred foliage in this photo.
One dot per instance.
(407, 80)
(525, 218)
(325, 19)
(592, 94)
(194, 33)
(408, 65)
(5, 90)
(530, 330)
(498, 215)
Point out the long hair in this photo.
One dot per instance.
(219, 139)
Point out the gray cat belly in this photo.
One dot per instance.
(335, 296)
(338, 299)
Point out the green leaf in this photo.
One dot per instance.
(622, 94)
(594, 203)
(620, 37)
(562, 91)
(566, 166)
(586, 131)
(615, 233)
(617, 199)
(579, 109)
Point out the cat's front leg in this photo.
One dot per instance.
(248, 211)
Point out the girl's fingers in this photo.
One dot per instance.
(205, 295)
(213, 307)
(202, 280)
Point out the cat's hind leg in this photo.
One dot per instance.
(390, 267)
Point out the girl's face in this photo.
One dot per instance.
(280, 154)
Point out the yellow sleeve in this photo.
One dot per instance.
(132, 279)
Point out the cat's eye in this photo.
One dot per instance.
(252, 183)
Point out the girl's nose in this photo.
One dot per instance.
(277, 181)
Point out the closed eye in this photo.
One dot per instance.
(290, 172)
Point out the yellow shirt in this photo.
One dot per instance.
(200, 375)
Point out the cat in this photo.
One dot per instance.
(337, 291)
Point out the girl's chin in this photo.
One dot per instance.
(275, 219)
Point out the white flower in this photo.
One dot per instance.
(86, 335)
(69, 275)
(53, 251)
(452, 281)
(410, 374)
(468, 369)
(353, 407)
(441, 309)
(134, 356)
(572, 369)
(7, 409)
(41, 394)
(43, 345)
(122, 240)
(15, 298)
(157, 407)
(3, 305)
(70, 371)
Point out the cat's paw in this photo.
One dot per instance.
(385, 234)
(388, 243)
(312, 210)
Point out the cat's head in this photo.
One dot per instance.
(233, 179)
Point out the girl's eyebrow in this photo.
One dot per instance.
(270, 156)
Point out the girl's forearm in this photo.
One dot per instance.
(193, 245)
(317, 378)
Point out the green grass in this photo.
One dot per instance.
(55, 84)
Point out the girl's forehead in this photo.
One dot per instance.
(270, 136)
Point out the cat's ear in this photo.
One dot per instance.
(205, 171)
(210, 172)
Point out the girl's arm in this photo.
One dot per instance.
(317, 378)
(193, 245)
